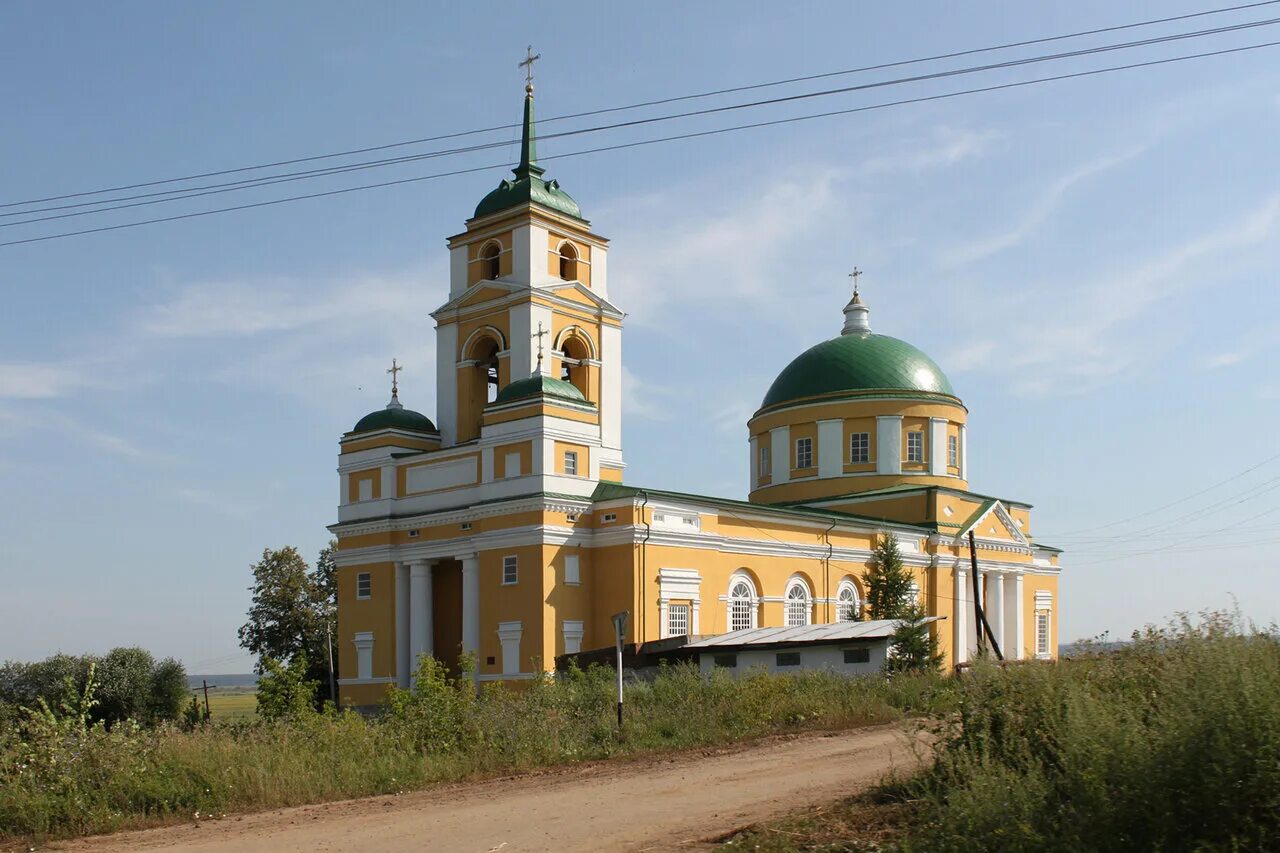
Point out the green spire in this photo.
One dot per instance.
(528, 142)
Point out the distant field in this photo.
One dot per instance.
(228, 704)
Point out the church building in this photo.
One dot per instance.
(505, 529)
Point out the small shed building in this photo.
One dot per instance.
(850, 648)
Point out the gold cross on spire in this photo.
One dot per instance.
(853, 276)
(393, 370)
(529, 58)
(540, 334)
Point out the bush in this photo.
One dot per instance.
(285, 692)
(131, 685)
(1171, 743)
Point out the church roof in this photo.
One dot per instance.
(858, 362)
(540, 385)
(394, 416)
(528, 185)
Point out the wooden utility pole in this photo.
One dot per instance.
(979, 611)
(328, 644)
(206, 685)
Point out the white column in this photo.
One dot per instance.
(404, 660)
(938, 446)
(610, 381)
(1015, 648)
(470, 603)
(419, 611)
(959, 611)
(779, 455)
(995, 608)
(964, 453)
(753, 446)
(831, 451)
(447, 383)
(457, 271)
(889, 444)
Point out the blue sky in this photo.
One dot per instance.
(1093, 262)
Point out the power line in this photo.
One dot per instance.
(657, 102)
(270, 180)
(677, 137)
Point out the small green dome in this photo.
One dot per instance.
(539, 385)
(395, 417)
(531, 189)
(858, 362)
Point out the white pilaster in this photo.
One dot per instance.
(420, 611)
(889, 444)
(486, 464)
(457, 271)
(960, 611)
(539, 255)
(938, 446)
(600, 271)
(964, 453)
(344, 490)
(470, 603)
(664, 622)
(610, 384)
(544, 456)
(388, 481)
(522, 345)
(830, 448)
(521, 252)
(447, 383)
(754, 450)
(404, 658)
(780, 455)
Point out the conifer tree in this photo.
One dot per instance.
(888, 582)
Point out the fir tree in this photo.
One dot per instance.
(912, 647)
(888, 582)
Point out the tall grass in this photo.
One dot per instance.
(61, 778)
(1172, 743)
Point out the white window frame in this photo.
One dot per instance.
(572, 570)
(364, 579)
(856, 439)
(512, 465)
(915, 446)
(751, 601)
(509, 634)
(1042, 649)
(510, 570)
(609, 518)
(573, 630)
(793, 604)
(678, 619)
(364, 490)
(854, 601)
(571, 463)
(953, 451)
(766, 464)
(807, 444)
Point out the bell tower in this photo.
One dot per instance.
(529, 341)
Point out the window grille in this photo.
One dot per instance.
(727, 661)
(860, 447)
(364, 585)
(847, 605)
(861, 655)
(804, 452)
(510, 570)
(765, 465)
(797, 606)
(915, 447)
(571, 462)
(677, 620)
(1042, 632)
(740, 606)
(788, 659)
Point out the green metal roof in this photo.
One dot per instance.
(540, 385)
(394, 417)
(858, 362)
(528, 185)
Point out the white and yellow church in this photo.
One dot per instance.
(504, 529)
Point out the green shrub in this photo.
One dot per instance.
(1171, 743)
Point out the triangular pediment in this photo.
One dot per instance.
(489, 291)
(991, 520)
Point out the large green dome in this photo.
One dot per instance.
(858, 362)
(395, 417)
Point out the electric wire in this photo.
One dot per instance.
(656, 102)
(269, 180)
(672, 138)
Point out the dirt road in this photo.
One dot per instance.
(653, 804)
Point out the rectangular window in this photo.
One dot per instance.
(1042, 633)
(766, 469)
(609, 518)
(510, 570)
(788, 659)
(953, 451)
(915, 447)
(571, 574)
(804, 452)
(364, 585)
(677, 620)
(364, 655)
(726, 661)
(571, 462)
(860, 447)
(862, 655)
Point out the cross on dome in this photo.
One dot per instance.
(854, 276)
(395, 386)
(857, 312)
(540, 334)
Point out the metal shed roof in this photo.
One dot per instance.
(876, 629)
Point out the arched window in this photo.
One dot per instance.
(489, 264)
(742, 603)
(799, 604)
(568, 262)
(485, 354)
(847, 605)
(573, 364)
